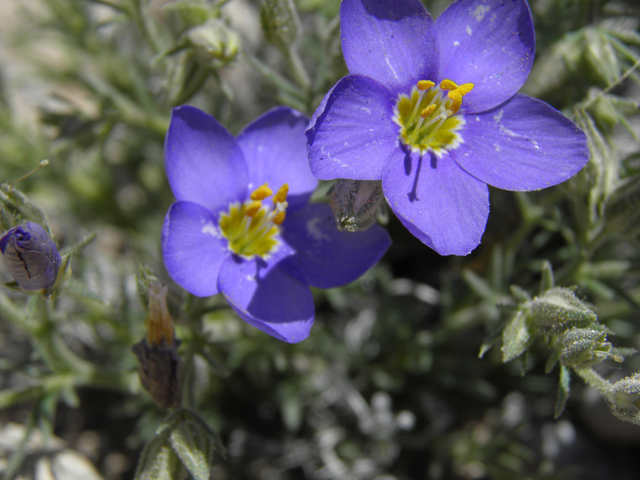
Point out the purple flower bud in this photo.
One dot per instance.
(31, 256)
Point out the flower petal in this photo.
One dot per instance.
(392, 42)
(203, 161)
(325, 256)
(441, 204)
(275, 149)
(268, 298)
(522, 145)
(352, 133)
(193, 248)
(490, 43)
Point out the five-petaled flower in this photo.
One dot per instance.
(229, 232)
(432, 110)
(31, 256)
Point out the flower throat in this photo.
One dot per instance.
(251, 227)
(428, 119)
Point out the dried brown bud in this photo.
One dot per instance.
(160, 366)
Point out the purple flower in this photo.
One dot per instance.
(432, 110)
(31, 256)
(242, 225)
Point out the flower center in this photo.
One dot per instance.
(252, 228)
(428, 119)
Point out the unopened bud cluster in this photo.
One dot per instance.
(214, 42)
(558, 310)
(624, 399)
(279, 22)
(582, 347)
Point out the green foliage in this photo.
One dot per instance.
(389, 384)
(182, 444)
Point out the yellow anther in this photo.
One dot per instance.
(465, 88)
(425, 84)
(454, 95)
(261, 192)
(278, 218)
(281, 194)
(448, 85)
(428, 111)
(456, 104)
(254, 208)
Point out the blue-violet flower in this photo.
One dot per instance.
(432, 110)
(31, 256)
(229, 232)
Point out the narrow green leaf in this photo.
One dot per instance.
(563, 390)
(479, 285)
(547, 281)
(552, 360)
(77, 247)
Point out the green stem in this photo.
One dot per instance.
(140, 19)
(274, 78)
(594, 380)
(298, 71)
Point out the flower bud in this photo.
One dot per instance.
(557, 310)
(279, 21)
(356, 204)
(214, 42)
(582, 347)
(31, 256)
(624, 399)
(160, 366)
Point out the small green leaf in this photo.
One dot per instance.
(515, 337)
(619, 354)
(20, 204)
(552, 360)
(547, 277)
(478, 284)
(191, 452)
(563, 390)
(78, 246)
(491, 340)
(519, 294)
(158, 461)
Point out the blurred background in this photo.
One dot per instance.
(389, 385)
